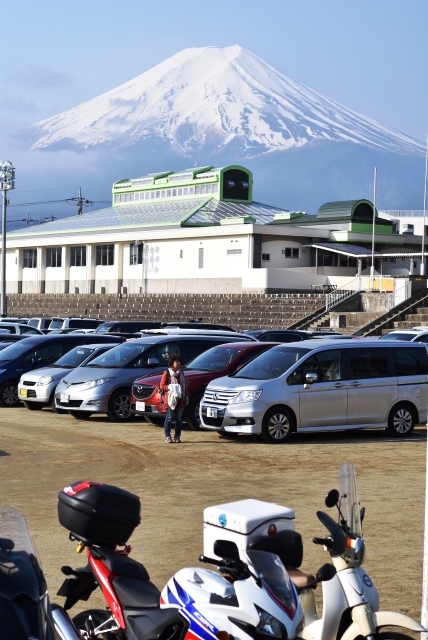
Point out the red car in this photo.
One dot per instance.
(218, 361)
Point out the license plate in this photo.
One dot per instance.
(140, 406)
(64, 398)
(211, 412)
(24, 393)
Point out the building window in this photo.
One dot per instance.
(265, 257)
(291, 253)
(181, 253)
(54, 257)
(136, 254)
(105, 255)
(78, 257)
(201, 258)
(30, 258)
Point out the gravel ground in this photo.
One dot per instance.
(41, 452)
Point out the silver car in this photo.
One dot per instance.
(36, 388)
(322, 385)
(104, 385)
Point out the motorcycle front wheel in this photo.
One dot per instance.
(98, 616)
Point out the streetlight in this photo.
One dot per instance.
(7, 182)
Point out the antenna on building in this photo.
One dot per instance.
(81, 202)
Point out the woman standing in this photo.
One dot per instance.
(174, 386)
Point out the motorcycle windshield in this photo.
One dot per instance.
(273, 573)
(349, 503)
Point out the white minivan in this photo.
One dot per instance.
(328, 385)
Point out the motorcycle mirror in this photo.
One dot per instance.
(326, 572)
(362, 513)
(226, 549)
(332, 498)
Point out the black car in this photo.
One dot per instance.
(195, 324)
(280, 335)
(35, 352)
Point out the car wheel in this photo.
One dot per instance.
(80, 415)
(193, 419)
(33, 406)
(401, 420)
(53, 405)
(278, 425)
(9, 395)
(119, 407)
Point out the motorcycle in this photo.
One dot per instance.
(251, 597)
(350, 599)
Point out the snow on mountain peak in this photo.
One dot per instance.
(212, 97)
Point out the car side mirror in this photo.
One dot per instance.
(152, 362)
(226, 549)
(310, 379)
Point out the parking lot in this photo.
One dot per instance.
(41, 452)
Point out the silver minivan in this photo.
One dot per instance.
(328, 385)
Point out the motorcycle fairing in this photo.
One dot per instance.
(199, 627)
(105, 579)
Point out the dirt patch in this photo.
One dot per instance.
(41, 452)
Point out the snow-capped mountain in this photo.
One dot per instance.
(210, 99)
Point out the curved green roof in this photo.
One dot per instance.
(361, 210)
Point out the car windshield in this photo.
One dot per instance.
(74, 357)
(103, 328)
(215, 359)
(273, 573)
(271, 364)
(127, 354)
(56, 323)
(398, 336)
(16, 349)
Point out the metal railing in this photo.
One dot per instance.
(399, 295)
(343, 292)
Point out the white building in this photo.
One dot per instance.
(199, 231)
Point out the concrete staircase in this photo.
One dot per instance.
(252, 311)
(408, 314)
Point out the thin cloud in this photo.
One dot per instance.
(42, 78)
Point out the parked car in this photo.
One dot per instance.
(16, 320)
(19, 328)
(195, 324)
(222, 360)
(322, 385)
(417, 334)
(280, 335)
(37, 388)
(128, 328)
(5, 336)
(3, 345)
(74, 323)
(104, 385)
(35, 352)
(232, 335)
(42, 324)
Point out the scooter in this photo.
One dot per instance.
(350, 599)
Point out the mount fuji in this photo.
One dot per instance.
(226, 105)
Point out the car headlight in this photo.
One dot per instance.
(90, 384)
(269, 626)
(245, 396)
(44, 380)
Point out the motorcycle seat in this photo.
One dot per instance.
(124, 566)
(140, 594)
(299, 578)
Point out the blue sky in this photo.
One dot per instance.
(370, 55)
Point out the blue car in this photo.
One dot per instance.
(35, 352)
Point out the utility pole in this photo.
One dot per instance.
(81, 202)
(7, 182)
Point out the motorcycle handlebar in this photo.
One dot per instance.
(210, 560)
(324, 542)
